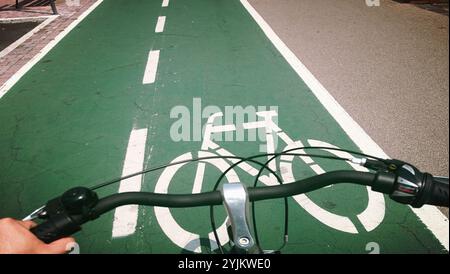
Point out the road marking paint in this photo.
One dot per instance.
(317, 169)
(165, 3)
(222, 234)
(438, 225)
(431, 215)
(21, 72)
(176, 233)
(151, 68)
(247, 167)
(374, 213)
(160, 24)
(125, 217)
(197, 188)
(26, 19)
(27, 35)
(291, 145)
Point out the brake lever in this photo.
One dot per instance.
(64, 214)
(38, 213)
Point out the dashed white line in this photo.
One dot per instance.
(160, 24)
(125, 217)
(151, 68)
(165, 3)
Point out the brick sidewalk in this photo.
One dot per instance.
(18, 57)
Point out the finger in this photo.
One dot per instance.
(27, 224)
(60, 246)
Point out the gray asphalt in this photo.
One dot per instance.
(388, 66)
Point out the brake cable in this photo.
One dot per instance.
(275, 155)
(116, 180)
(241, 160)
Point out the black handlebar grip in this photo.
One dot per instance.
(46, 232)
(438, 193)
(55, 228)
(434, 192)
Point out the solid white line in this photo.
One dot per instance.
(160, 24)
(437, 225)
(431, 215)
(125, 217)
(151, 68)
(25, 19)
(27, 35)
(165, 3)
(16, 77)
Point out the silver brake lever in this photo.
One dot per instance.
(35, 214)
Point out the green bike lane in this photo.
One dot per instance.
(73, 128)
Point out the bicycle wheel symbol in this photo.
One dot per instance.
(370, 218)
(177, 234)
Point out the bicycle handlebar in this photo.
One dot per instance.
(437, 194)
(64, 222)
(405, 184)
(214, 197)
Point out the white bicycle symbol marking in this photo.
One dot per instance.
(370, 218)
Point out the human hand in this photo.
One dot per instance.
(16, 238)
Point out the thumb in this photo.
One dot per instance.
(27, 224)
(60, 246)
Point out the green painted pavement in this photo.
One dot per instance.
(72, 128)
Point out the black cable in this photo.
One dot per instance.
(275, 155)
(216, 157)
(286, 216)
(211, 210)
(286, 213)
(107, 183)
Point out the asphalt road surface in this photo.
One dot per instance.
(387, 65)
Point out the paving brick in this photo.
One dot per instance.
(17, 58)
